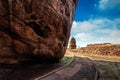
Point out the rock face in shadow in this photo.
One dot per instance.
(34, 29)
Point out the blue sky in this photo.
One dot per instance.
(96, 21)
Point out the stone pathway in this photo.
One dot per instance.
(80, 69)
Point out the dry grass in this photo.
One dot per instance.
(103, 57)
(108, 70)
(108, 66)
(69, 56)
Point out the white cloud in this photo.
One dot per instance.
(103, 3)
(112, 37)
(115, 33)
(95, 24)
(104, 31)
(109, 4)
(82, 26)
(83, 36)
(96, 31)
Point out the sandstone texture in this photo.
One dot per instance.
(104, 49)
(72, 43)
(34, 29)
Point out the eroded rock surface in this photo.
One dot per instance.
(72, 43)
(34, 29)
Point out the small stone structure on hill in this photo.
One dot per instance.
(72, 43)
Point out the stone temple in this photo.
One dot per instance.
(72, 43)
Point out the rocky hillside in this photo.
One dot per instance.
(104, 49)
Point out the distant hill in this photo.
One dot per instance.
(103, 48)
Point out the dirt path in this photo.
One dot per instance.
(80, 69)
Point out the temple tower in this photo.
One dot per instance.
(72, 43)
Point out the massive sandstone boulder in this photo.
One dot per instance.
(34, 29)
